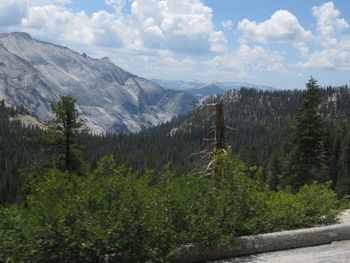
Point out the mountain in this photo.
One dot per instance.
(200, 88)
(238, 85)
(179, 84)
(35, 73)
(207, 90)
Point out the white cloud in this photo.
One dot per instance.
(328, 21)
(54, 21)
(227, 24)
(246, 59)
(283, 26)
(217, 41)
(335, 56)
(11, 12)
(59, 23)
(118, 5)
(328, 42)
(159, 63)
(183, 25)
(301, 47)
(47, 2)
(178, 25)
(335, 53)
(116, 2)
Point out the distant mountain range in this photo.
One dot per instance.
(200, 88)
(34, 74)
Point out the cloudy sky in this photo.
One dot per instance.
(270, 42)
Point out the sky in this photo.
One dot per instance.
(268, 42)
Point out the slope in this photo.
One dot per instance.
(35, 73)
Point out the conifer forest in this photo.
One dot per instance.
(131, 197)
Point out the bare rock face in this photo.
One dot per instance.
(35, 73)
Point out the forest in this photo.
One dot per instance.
(137, 197)
(263, 123)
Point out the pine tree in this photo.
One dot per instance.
(63, 129)
(307, 138)
(343, 182)
(274, 170)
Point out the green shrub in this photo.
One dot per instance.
(116, 215)
(312, 205)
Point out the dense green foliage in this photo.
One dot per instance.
(68, 212)
(116, 215)
(263, 120)
(15, 152)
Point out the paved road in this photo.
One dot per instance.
(337, 252)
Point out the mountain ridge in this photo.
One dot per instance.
(35, 73)
(197, 86)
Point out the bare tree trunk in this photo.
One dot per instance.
(219, 127)
(67, 155)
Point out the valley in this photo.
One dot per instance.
(165, 131)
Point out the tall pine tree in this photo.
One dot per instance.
(63, 129)
(307, 158)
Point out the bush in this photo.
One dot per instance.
(116, 215)
(311, 205)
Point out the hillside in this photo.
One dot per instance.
(34, 74)
(16, 152)
(200, 88)
(262, 119)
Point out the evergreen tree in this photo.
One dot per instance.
(274, 170)
(307, 138)
(343, 182)
(63, 129)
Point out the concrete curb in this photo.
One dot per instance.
(248, 245)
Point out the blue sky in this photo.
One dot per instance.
(270, 42)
